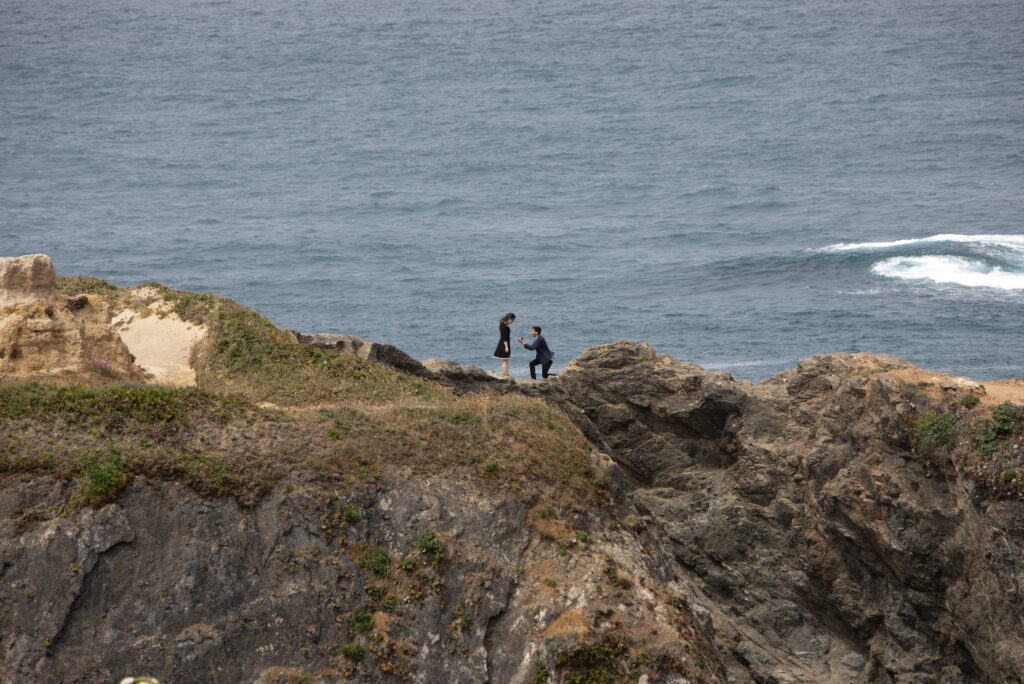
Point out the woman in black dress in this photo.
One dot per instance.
(504, 349)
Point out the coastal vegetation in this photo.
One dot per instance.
(265, 405)
(986, 443)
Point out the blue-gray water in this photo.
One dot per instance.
(741, 184)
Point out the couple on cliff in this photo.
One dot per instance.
(544, 357)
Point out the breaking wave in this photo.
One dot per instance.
(976, 261)
(950, 270)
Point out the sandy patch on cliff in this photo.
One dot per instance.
(160, 342)
(991, 392)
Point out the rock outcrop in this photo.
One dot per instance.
(389, 581)
(381, 352)
(826, 549)
(26, 279)
(42, 332)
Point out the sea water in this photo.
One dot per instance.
(740, 184)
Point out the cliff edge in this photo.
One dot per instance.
(321, 508)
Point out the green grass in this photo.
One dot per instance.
(248, 356)
(116, 408)
(71, 285)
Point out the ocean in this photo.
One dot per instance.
(739, 184)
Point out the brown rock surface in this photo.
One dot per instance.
(42, 332)
(192, 590)
(825, 550)
(26, 279)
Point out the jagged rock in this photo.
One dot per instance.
(41, 332)
(26, 279)
(376, 351)
(796, 507)
(462, 379)
(191, 590)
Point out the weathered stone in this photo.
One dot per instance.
(376, 351)
(26, 279)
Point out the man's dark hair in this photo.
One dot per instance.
(537, 328)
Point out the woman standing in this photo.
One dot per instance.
(504, 350)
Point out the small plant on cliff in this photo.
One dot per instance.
(931, 430)
(351, 514)
(602, 662)
(969, 401)
(376, 560)
(361, 621)
(429, 542)
(1007, 419)
(353, 652)
(103, 476)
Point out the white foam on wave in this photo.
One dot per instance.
(950, 270)
(1015, 242)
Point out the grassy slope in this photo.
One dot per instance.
(265, 405)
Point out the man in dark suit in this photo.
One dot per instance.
(544, 357)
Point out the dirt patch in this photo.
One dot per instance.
(990, 392)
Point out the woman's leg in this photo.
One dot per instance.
(504, 366)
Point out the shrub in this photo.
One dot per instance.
(970, 401)
(931, 430)
(376, 560)
(429, 542)
(407, 563)
(361, 621)
(1007, 419)
(353, 652)
(102, 476)
(490, 466)
(351, 514)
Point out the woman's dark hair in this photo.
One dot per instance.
(508, 317)
(537, 328)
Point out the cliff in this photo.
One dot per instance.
(321, 508)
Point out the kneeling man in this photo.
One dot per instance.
(544, 354)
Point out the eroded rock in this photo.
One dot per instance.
(26, 279)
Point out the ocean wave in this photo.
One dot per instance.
(950, 270)
(1013, 242)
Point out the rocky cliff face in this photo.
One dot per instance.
(827, 550)
(394, 580)
(781, 532)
